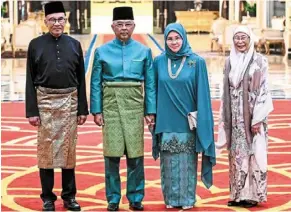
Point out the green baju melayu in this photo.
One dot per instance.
(119, 69)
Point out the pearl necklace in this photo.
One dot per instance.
(174, 76)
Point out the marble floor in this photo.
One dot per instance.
(13, 70)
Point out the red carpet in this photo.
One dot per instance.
(21, 186)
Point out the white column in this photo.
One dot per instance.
(158, 18)
(236, 10)
(261, 14)
(265, 14)
(85, 17)
(288, 13)
(270, 12)
(11, 13)
(15, 23)
(15, 13)
(231, 10)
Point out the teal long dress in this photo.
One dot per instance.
(177, 144)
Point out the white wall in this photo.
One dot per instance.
(102, 24)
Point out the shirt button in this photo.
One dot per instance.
(58, 58)
(58, 52)
(57, 45)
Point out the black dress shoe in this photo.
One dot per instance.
(233, 203)
(112, 207)
(248, 204)
(48, 206)
(136, 206)
(72, 205)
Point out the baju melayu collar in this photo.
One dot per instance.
(53, 37)
(122, 43)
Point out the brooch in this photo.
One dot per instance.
(192, 63)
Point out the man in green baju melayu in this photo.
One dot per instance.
(121, 67)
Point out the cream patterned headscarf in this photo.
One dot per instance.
(239, 61)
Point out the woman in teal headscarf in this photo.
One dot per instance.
(182, 88)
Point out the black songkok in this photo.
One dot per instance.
(54, 7)
(122, 13)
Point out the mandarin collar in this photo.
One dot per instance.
(122, 43)
(53, 37)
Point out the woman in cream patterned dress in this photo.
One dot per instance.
(245, 106)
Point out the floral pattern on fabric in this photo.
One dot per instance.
(57, 134)
(247, 180)
(123, 110)
(178, 142)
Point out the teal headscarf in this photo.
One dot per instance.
(185, 49)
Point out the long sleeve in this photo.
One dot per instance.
(222, 138)
(156, 75)
(82, 98)
(204, 110)
(150, 85)
(96, 85)
(30, 91)
(263, 104)
(205, 131)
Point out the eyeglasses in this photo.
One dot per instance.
(177, 40)
(61, 20)
(243, 38)
(121, 24)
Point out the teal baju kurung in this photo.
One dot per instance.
(173, 139)
(119, 69)
(178, 168)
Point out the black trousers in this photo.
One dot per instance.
(47, 184)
